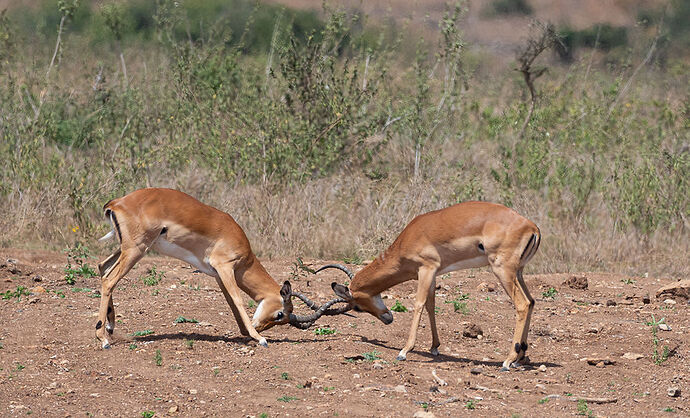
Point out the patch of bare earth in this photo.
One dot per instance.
(588, 343)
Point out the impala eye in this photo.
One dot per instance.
(280, 315)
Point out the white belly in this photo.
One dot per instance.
(480, 261)
(172, 250)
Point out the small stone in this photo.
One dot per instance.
(485, 287)
(669, 301)
(632, 356)
(646, 300)
(34, 300)
(37, 278)
(664, 327)
(378, 365)
(193, 391)
(610, 302)
(95, 395)
(356, 376)
(423, 414)
(476, 370)
(52, 385)
(173, 409)
(673, 392)
(542, 368)
(400, 389)
(600, 365)
(38, 289)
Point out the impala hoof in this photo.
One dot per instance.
(402, 356)
(505, 369)
(434, 351)
(263, 343)
(515, 365)
(106, 346)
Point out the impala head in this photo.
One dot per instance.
(274, 310)
(361, 301)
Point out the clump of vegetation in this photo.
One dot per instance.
(372, 355)
(324, 331)
(153, 276)
(76, 266)
(659, 355)
(508, 7)
(287, 398)
(158, 358)
(398, 307)
(460, 304)
(16, 293)
(549, 293)
(181, 320)
(142, 333)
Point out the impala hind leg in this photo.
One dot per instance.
(103, 269)
(510, 279)
(430, 309)
(424, 286)
(235, 311)
(113, 270)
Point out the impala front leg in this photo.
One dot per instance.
(227, 276)
(424, 286)
(235, 310)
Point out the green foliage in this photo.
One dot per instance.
(324, 331)
(17, 293)
(583, 408)
(158, 358)
(550, 293)
(284, 376)
(603, 36)
(658, 356)
(471, 404)
(148, 414)
(182, 320)
(459, 305)
(398, 307)
(543, 401)
(153, 276)
(142, 333)
(287, 398)
(76, 263)
(372, 355)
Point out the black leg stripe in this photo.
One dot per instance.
(99, 324)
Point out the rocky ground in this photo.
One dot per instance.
(593, 341)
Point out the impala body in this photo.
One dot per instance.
(466, 235)
(175, 224)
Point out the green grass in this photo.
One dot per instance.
(182, 320)
(583, 408)
(459, 305)
(142, 333)
(285, 376)
(153, 276)
(287, 398)
(148, 414)
(158, 358)
(398, 307)
(17, 293)
(372, 355)
(550, 293)
(324, 331)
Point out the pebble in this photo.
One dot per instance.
(193, 391)
(542, 368)
(632, 356)
(476, 370)
(646, 300)
(673, 392)
(664, 327)
(423, 414)
(173, 409)
(610, 302)
(669, 301)
(378, 365)
(355, 376)
(400, 389)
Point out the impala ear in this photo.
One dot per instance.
(286, 292)
(341, 291)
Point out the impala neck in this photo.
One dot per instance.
(255, 281)
(381, 274)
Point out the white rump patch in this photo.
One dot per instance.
(480, 261)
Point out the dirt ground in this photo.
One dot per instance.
(52, 365)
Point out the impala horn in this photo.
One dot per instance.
(339, 267)
(304, 322)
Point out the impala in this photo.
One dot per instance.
(175, 224)
(466, 235)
